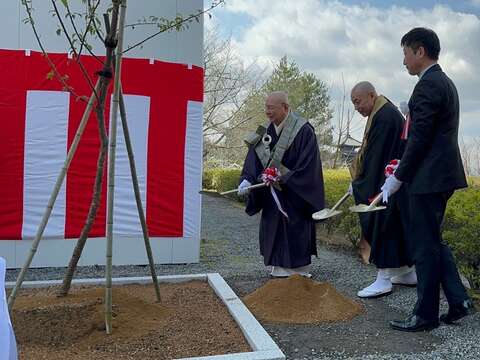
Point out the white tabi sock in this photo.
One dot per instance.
(278, 271)
(399, 271)
(303, 270)
(380, 287)
(407, 277)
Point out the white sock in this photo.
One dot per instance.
(279, 271)
(382, 284)
(409, 277)
(302, 269)
(383, 275)
(399, 271)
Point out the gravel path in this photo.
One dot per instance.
(230, 247)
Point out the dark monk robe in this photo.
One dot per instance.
(287, 243)
(382, 142)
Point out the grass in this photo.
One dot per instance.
(474, 181)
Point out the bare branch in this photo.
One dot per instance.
(55, 71)
(176, 25)
(84, 36)
(82, 68)
(95, 25)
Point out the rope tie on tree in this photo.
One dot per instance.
(110, 43)
(105, 72)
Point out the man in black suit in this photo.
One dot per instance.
(432, 168)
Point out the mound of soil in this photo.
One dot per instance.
(190, 321)
(299, 300)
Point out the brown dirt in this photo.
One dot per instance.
(190, 321)
(298, 300)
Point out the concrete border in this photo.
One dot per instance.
(264, 348)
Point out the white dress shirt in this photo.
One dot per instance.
(279, 128)
(424, 71)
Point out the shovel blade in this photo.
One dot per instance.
(210, 192)
(362, 208)
(325, 214)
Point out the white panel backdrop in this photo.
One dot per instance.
(185, 47)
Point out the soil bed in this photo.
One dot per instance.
(190, 321)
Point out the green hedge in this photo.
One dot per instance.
(346, 224)
(461, 226)
(462, 232)
(220, 179)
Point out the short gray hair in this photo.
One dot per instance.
(364, 86)
(280, 96)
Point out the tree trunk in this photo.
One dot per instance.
(104, 81)
(120, 18)
(97, 195)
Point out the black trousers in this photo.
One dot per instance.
(433, 259)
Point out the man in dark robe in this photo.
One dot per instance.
(431, 169)
(287, 230)
(383, 230)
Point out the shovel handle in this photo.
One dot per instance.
(341, 201)
(376, 200)
(247, 188)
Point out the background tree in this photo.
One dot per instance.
(469, 148)
(228, 81)
(307, 95)
(342, 127)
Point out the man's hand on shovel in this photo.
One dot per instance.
(391, 184)
(390, 187)
(245, 190)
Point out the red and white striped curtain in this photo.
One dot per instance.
(38, 121)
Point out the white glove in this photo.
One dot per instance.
(390, 187)
(350, 189)
(242, 188)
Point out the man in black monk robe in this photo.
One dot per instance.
(383, 230)
(287, 230)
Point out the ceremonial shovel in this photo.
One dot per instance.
(214, 193)
(247, 188)
(362, 208)
(328, 213)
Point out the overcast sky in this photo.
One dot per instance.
(361, 40)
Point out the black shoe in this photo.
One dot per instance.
(457, 312)
(413, 323)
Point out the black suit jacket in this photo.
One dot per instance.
(431, 162)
